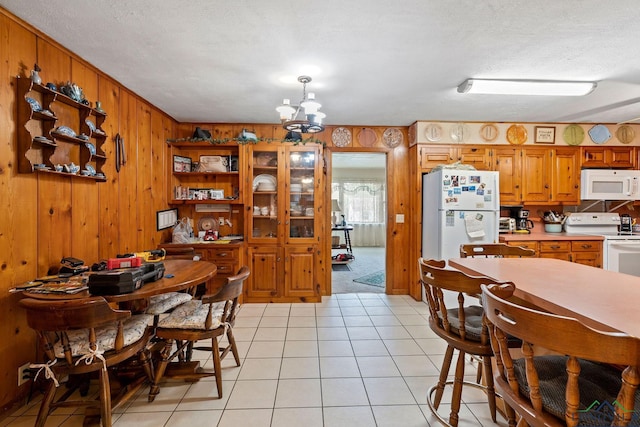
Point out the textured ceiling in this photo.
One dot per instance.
(377, 62)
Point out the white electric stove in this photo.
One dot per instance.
(621, 251)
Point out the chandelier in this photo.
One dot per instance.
(303, 118)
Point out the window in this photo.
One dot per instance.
(363, 201)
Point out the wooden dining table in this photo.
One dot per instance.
(180, 274)
(602, 299)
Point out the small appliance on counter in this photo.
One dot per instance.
(521, 218)
(626, 223)
(507, 225)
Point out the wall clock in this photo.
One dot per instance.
(573, 134)
(489, 132)
(625, 134)
(433, 132)
(517, 134)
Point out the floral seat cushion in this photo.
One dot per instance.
(163, 303)
(192, 315)
(134, 328)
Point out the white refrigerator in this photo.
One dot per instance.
(458, 207)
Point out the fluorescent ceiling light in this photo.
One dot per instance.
(526, 87)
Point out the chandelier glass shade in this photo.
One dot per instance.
(305, 117)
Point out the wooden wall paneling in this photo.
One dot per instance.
(398, 202)
(108, 200)
(168, 128)
(54, 194)
(85, 207)
(415, 221)
(127, 177)
(144, 169)
(18, 213)
(158, 178)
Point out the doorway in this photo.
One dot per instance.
(359, 202)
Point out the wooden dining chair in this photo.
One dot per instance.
(454, 317)
(86, 335)
(501, 250)
(493, 250)
(585, 377)
(211, 317)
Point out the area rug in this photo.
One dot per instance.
(340, 267)
(374, 279)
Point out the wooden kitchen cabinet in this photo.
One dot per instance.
(527, 244)
(227, 257)
(607, 157)
(267, 269)
(558, 249)
(434, 155)
(588, 252)
(565, 175)
(284, 216)
(537, 175)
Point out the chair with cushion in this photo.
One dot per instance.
(493, 250)
(454, 317)
(582, 377)
(86, 335)
(164, 303)
(500, 250)
(207, 318)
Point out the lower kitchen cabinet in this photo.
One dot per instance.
(282, 274)
(588, 252)
(227, 257)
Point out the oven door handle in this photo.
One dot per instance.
(626, 243)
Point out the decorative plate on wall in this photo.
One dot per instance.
(625, 134)
(207, 223)
(599, 134)
(341, 137)
(392, 137)
(573, 134)
(516, 134)
(367, 137)
(489, 132)
(433, 132)
(459, 132)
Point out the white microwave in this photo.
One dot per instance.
(609, 184)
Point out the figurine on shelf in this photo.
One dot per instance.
(35, 77)
(210, 235)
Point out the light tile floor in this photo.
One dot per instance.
(352, 360)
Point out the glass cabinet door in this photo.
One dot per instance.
(301, 182)
(266, 208)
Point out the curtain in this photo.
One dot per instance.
(363, 203)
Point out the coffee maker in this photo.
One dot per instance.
(521, 216)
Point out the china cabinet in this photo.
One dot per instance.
(283, 219)
(205, 183)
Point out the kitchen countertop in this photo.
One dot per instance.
(538, 234)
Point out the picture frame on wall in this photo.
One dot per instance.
(181, 164)
(545, 135)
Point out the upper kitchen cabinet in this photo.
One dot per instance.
(607, 157)
(537, 175)
(434, 155)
